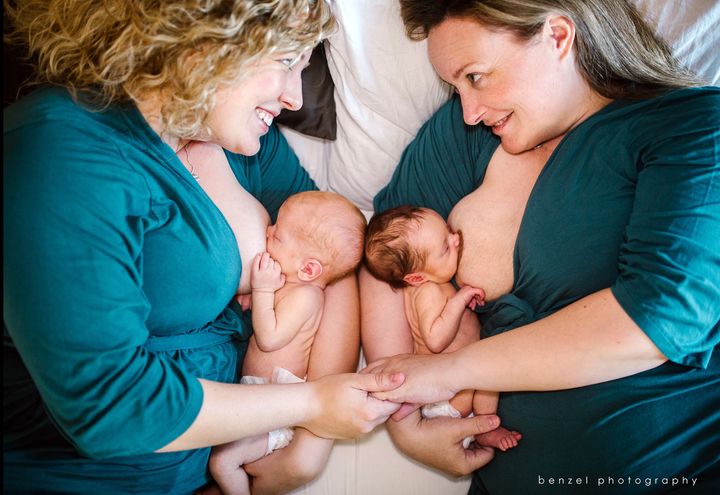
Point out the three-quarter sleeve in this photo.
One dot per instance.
(669, 281)
(75, 215)
(444, 163)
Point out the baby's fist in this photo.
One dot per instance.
(472, 296)
(266, 274)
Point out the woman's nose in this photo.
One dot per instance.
(292, 98)
(473, 109)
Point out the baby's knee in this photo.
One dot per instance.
(309, 467)
(221, 461)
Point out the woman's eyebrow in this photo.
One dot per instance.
(457, 73)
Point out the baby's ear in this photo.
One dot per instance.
(414, 278)
(310, 269)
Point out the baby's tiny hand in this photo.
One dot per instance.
(472, 296)
(266, 274)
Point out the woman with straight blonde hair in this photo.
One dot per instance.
(589, 204)
(137, 184)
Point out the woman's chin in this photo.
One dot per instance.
(515, 147)
(512, 147)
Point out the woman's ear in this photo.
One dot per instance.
(415, 278)
(561, 31)
(310, 269)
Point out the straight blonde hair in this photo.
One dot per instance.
(618, 54)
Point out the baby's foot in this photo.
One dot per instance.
(500, 438)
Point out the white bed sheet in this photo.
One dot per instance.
(385, 89)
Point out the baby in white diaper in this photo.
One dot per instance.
(317, 239)
(413, 249)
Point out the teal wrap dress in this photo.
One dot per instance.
(119, 275)
(630, 200)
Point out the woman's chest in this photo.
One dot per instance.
(189, 261)
(489, 220)
(246, 217)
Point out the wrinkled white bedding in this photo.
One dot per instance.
(385, 88)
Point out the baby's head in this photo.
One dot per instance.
(409, 245)
(318, 237)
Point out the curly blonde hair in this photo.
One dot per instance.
(108, 51)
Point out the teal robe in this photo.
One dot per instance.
(630, 199)
(118, 280)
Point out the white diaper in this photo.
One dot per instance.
(279, 438)
(439, 409)
(444, 409)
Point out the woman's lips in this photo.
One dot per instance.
(265, 116)
(497, 126)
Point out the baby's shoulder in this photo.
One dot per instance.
(430, 292)
(305, 294)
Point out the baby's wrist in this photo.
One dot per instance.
(263, 290)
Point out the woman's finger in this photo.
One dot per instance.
(478, 457)
(370, 368)
(405, 410)
(380, 382)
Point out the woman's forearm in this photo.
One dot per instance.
(590, 341)
(231, 411)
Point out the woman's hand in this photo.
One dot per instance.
(427, 379)
(344, 406)
(437, 442)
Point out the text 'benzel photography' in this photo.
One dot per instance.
(610, 481)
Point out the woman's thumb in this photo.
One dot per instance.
(380, 382)
(477, 425)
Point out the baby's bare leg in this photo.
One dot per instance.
(463, 402)
(501, 438)
(227, 460)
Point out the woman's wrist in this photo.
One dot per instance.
(311, 406)
(457, 370)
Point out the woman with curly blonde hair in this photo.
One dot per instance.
(137, 183)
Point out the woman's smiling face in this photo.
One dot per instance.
(244, 111)
(517, 88)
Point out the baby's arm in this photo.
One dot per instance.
(438, 323)
(276, 323)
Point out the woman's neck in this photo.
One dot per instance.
(150, 109)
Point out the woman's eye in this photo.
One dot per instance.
(474, 78)
(287, 62)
